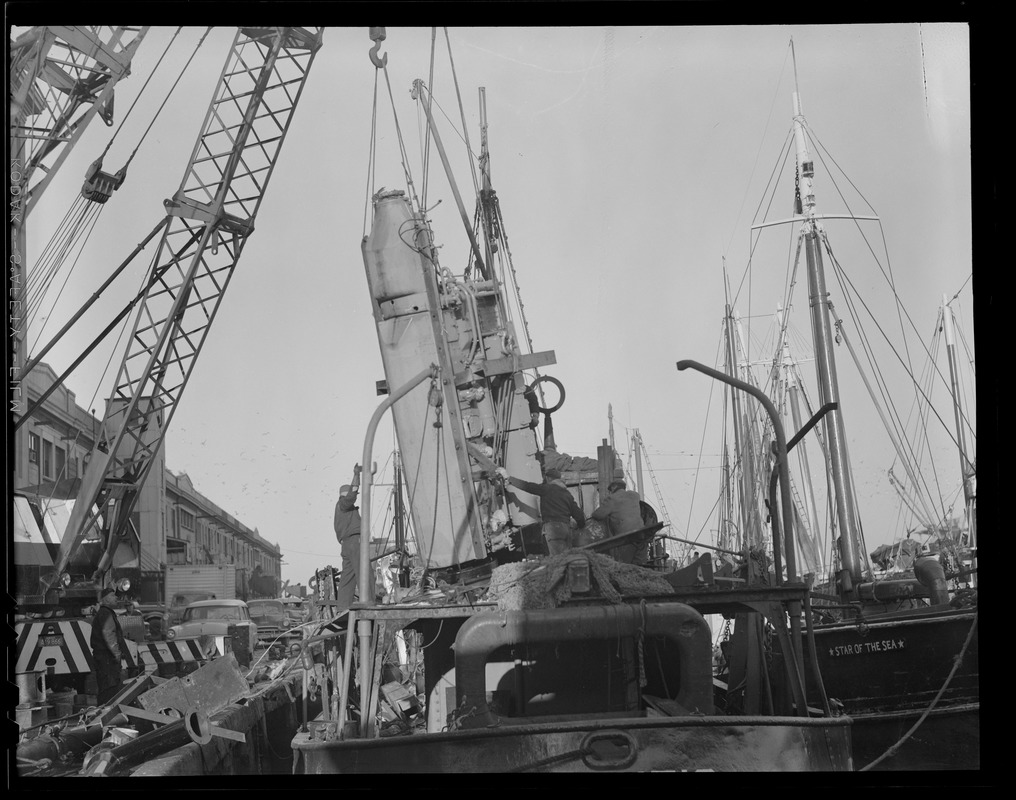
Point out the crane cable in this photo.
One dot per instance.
(80, 216)
(140, 93)
(165, 100)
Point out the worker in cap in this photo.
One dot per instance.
(557, 508)
(347, 531)
(108, 647)
(621, 512)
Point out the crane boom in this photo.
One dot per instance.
(61, 77)
(209, 220)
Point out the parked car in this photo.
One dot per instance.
(156, 618)
(207, 619)
(272, 620)
(179, 604)
(297, 609)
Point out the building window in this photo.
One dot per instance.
(176, 551)
(33, 448)
(186, 520)
(61, 461)
(47, 459)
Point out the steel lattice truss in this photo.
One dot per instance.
(61, 77)
(209, 220)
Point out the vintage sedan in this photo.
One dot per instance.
(272, 621)
(179, 604)
(296, 608)
(209, 622)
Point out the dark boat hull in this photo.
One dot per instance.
(888, 670)
(703, 744)
(946, 739)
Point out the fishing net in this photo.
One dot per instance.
(545, 584)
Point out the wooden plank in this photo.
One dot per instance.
(375, 684)
(503, 366)
(666, 706)
(128, 694)
(150, 716)
(228, 733)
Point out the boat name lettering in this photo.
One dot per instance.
(878, 646)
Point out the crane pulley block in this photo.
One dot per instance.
(99, 186)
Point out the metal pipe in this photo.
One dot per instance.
(682, 625)
(793, 607)
(813, 654)
(705, 546)
(781, 451)
(417, 86)
(364, 625)
(795, 671)
(931, 575)
(68, 741)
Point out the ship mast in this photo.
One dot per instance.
(818, 298)
(967, 470)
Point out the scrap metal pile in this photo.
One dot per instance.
(149, 718)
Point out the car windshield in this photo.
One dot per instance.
(266, 609)
(213, 612)
(187, 599)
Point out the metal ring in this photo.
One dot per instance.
(560, 388)
(595, 762)
(198, 727)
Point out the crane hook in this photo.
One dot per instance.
(377, 35)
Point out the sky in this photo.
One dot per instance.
(629, 163)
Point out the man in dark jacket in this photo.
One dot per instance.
(557, 508)
(347, 531)
(108, 648)
(621, 512)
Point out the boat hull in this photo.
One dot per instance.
(650, 744)
(888, 671)
(947, 739)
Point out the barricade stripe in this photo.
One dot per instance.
(33, 649)
(128, 656)
(156, 653)
(83, 656)
(69, 664)
(27, 636)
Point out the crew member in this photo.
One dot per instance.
(347, 531)
(108, 647)
(621, 512)
(557, 508)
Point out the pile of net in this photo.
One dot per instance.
(544, 583)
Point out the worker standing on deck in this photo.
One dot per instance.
(108, 648)
(621, 512)
(557, 508)
(347, 531)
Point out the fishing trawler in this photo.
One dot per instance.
(896, 648)
(516, 660)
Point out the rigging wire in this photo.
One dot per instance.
(462, 114)
(844, 281)
(698, 465)
(371, 157)
(758, 153)
(91, 402)
(139, 94)
(168, 94)
(410, 186)
(83, 213)
(426, 136)
(91, 228)
(45, 272)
